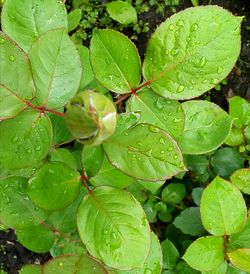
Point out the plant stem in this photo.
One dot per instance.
(225, 237)
(84, 178)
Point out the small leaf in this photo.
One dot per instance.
(54, 186)
(74, 18)
(115, 61)
(170, 254)
(131, 151)
(122, 12)
(239, 109)
(205, 254)
(198, 164)
(25, 140)
(189, 221)
(241, 179)
(120, 225)
(87, 74)
(226, 160)
(181, 61)
(242, 238)
(222, 269)
(14, 62)
(165, 114)
(16, 208)
(91, 117)
(223, 209)
(173, 193)
(31, 269)
(56, 68)
(240, 258)
(183, 267)
(26, 22)
(37, 238)
(63, 155)
(206, 127)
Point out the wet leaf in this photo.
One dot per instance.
(240, 258)
(241, 179)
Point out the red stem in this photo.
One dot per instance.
(84, 178)
(225, 237)
(43, 109)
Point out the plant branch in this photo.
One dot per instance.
(225, 237)
(43, 109)
(84, 178)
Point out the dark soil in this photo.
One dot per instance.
(12, 254)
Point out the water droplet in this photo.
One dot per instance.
(198, 60)
(175, 156)
(38, 148)
(180, 23)
(162, 141)
(204, 81)
(2, 41)
(158, 104)
(130, 148)
(170, 148)
(29, 150)
(171, 27)
(105, 232)
(192, 81)
(126, 134)
(194, 27)
(180, 88)
(188, 39)
(219, 69)
(12, 58)
(214, 81)
(162, 151)
(147, 271)
(60, 264)
(14, 139)
(153, 129)
(174, 51)
(51, 171)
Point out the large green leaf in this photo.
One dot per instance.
(206, 127)
(16, 82)
(25, 140)
(156, 110)
(111, 222)
(240, 258)
(38, 238)
(223, 209)
(54, 186)
(171, 254)
(241, 179)
(16, 208)
(145, 152)
(192, 52)
(122, 12)
(77, 264)
(56, 68)
(205, 254)
(26, 21)
(115, 61)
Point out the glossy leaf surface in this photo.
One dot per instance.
(16, 208)
(14, 64)
(242, 238)
(25, 140)
(223, 209)
(115, 61)
(183, 53)
(240, 258)
(156, 110)
(241, 179)
(31, 269)
(26, 22)
(56, 68)
(54, 186)
(205, 254)
(206, 127)
(120, 225)
(132, 147)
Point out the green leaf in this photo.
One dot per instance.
(240, 258)
(31, 269)
(92, 159)
(88, 74)
(223, 209)
(91, 117)
(37, 238)
(242, 238)
(122, 12)
(189, 221)
(16, 208)
(74, 18)
(197, 194)
(205, 254)
(235, 137)
(192, 51)
(173, 193)
(111, 222)
(226, 160)
(151, 186)
(110, 176)
(78, 264)
(183, 267)
(206, 127)
(165, 114)
(115, 61)
(222, 269)
(198, 164)
(63, 155)
(54, 186)
(170, 254)
(15, 65)
(241, 179)
(144, 152)
(56, 68)
(26, 22)
(232, 270)
(239, 109)
(25, 140)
